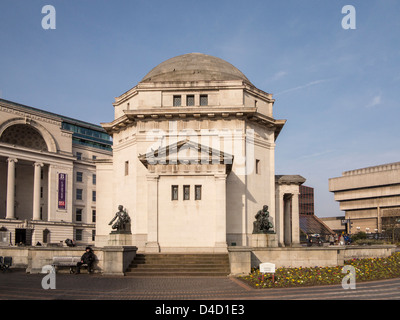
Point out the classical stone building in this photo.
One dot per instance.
(370, 197)
(194, 161)
(47, 176)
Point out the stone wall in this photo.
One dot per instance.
(242, 259)
(109, 260)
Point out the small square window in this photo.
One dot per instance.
(204, 100)
(79, 156)
(186, 192)
(177, 101)
(174, 193)
(190, 100)
(197, 192)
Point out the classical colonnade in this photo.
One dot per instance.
(10, 202)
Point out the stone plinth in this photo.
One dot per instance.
(264, 240)
(119, 239)
(117, 259)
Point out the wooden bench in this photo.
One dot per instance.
(70, 262)
(5, 263)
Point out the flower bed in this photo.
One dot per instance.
(366, 270)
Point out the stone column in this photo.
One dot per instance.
(10, 214)
(295, 220)
(51, 192)
(36, 190)
(279, 217)
(287, 218)
(152, 244)
(220, 215)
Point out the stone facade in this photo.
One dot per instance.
(193, 159)
(38, 149)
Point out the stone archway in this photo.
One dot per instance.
(24, 136)
(27, 133)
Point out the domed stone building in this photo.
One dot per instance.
(193, 161)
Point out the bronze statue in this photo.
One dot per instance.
(123, 223)
(263, 223)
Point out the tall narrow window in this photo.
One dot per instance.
(93, 215)
(258, 167)
(177, 101)
(94, 178)
(79, 176)
(174, 193)
(186, 192)
(126, 168)
(204, 100)
(93, 235)
(79, 193)
(94, 196)
(78, 234)
(78, 215)
(46, 235)
(197, 192)
(190, 100)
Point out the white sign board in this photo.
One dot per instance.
(267, 267)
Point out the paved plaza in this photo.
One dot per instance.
(17, 285)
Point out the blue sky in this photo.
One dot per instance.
(337, 88)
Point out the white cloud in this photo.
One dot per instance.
(376, 101)
(279, 75)
(312, 83)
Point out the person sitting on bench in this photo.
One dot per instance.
(87, 258)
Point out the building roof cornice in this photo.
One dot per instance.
(180, 113)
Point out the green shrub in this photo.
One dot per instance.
(359, 236)
(369, 242)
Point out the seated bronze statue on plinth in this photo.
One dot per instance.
(263, 223)
(123, 223)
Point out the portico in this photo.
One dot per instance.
(287, 206)
(36, 150)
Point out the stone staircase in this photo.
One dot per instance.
(163, 264)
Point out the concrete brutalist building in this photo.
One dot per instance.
(370, 197)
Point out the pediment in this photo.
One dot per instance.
(186, 152)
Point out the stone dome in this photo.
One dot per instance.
(194, 67)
